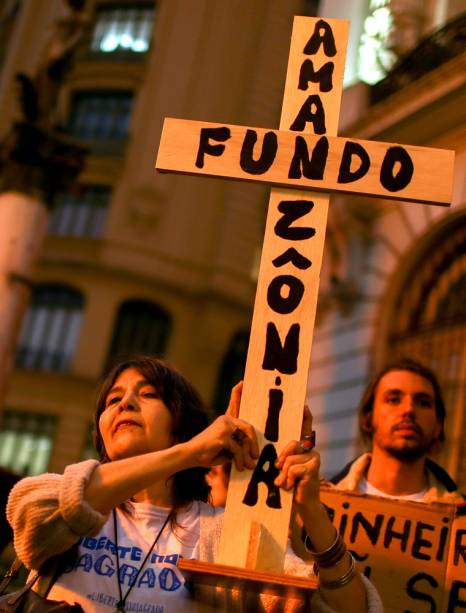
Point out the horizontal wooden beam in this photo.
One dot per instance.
(307, 161)
(260, 582)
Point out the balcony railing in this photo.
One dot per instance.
(439, 47)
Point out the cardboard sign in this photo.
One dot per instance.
(456, 571)
(308, 161)
(414, 553)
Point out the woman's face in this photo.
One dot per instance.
(135, 419)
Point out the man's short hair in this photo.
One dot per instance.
(366, 405)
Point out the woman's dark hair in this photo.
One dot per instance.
(188, 415)
(366, 405)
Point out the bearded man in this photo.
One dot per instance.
(402, 414)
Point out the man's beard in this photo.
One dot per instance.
(409, 450)
(409, 453)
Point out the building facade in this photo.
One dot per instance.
(139, 261)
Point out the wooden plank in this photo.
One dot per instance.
(392, 171)
(293, 246)
(232, 577)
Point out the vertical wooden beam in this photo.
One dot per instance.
(282, 275)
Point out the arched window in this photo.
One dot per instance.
(430, 326)
(141, 327)
(231, 370)
(50, 328)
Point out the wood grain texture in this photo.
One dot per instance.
(258, 381)
(431, 180)
(220, 575)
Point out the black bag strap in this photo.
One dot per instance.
(49, 572)
(10, 574)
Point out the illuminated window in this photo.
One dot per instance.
(376, 56)
(101, 118)
(123, 28)
(80, 214)
(50, 329)
(26, 441)
(141, 327)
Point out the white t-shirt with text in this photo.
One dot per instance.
(159, 588)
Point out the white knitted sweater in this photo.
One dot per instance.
(48, 515)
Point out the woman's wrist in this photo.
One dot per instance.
(184, 454)
(320, 530)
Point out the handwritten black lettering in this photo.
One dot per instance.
(442, 543)
(322, 35)
(413, 593)
(421, 542)
(273, 415)
(285, 304)
(280, 357)
(372, 530)
(205, 146)
(292, 211)
(345, 174)
(264, 472)
(267, 155)
(460, 548)
(391, 534)
(455, 602)
(393, 180)
(292, 256)
(323, 76)
(301, 164)
(312, 111)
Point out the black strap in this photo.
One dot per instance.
(49, 572)
(10, 574)
(122, 600)
(441, 475)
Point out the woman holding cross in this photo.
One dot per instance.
(131, 516)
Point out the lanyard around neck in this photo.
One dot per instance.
(121, 603)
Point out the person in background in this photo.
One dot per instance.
(402, 417)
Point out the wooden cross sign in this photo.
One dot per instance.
(305, 154)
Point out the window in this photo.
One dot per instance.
(81, 214)
(26, 441)
(50, 329)
(231, 370)
(101, 118)
(376, 55)
(123, 28)
(141, 327)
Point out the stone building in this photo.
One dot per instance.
(138, 261)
